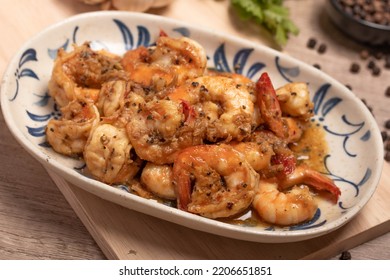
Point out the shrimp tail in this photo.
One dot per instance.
(305, 175)
(183, 186)
(269, 105)
(323, 183)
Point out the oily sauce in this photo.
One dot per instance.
(312, 147)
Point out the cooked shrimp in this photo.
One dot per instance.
(225, 101)
(109, 155)
(294, 100)
(292, 207)
(141, 70)
(80, 73)
(120, 98)
(170, 62)
(297, 204)
(159, 180)
(186, 56)
(161, 129)
(69, 134)
(214, 181)
(284, 113)
(228, 107)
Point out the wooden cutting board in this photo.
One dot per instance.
(125, 234)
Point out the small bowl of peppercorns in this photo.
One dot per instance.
(366, 21)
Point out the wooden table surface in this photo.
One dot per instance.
(36, 221)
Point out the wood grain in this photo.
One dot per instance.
(36, 222)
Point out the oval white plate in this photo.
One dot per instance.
(354, 161)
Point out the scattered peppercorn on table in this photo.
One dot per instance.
(44, 217)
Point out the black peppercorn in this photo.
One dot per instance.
(376, 71)
(355, 68)
(316, 65)
(371, 64)
(384, 135)
(387, 146)
(378, 55)
(387, 124)
(387, 92)
(375, 11)
(387, 156)
(387, 61)
(311, 44)
(345, 256)
(322, 48)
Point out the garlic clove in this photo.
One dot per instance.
(139, 5)
(161, 3)
(132, 5)
(92, 2)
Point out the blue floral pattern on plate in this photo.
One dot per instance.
(347, 132)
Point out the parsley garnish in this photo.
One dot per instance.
(271, 14)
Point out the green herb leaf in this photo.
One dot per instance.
(271, 14)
